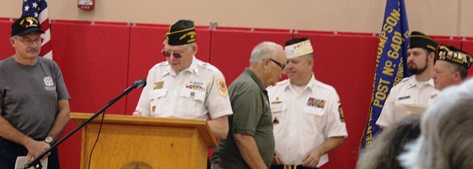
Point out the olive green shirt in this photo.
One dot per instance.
(251, 116)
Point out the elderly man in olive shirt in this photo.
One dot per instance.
(250, 142)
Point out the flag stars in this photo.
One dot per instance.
(36, 14)
(27, 8)
(35, 5)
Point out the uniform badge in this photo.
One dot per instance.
(158, 85)
(403, 97)
(340, 111)
(275, 121)
(193, 85)
(222, 87)
(316, 102)
(276, 101)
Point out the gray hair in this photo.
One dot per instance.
(446, 142)
(389, 144)
(190, 45)
(264, 50)
(452, 67)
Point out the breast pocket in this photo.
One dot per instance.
(314, 120)
(192, 103)
(309, 110)
(277, 109)
(156, 102)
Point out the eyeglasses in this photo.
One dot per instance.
(279, 64)
(29, 42)
(176, 54)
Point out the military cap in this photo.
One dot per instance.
(454, 55)
(419, 40)
(180, 33)
(298, 47)
(25, 25)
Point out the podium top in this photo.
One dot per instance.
(200, 124)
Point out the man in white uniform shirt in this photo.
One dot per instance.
(308, 117)
(183, 86)
(417, 90)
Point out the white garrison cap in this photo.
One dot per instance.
(298, 49)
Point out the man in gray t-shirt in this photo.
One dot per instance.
(34, 101)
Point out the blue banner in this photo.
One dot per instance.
(390, 61)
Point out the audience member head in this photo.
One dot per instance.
(268, 61)
(446, 142)
(385, 148)
(180, 45)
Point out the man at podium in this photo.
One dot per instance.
(183, 86)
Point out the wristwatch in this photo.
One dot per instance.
(48, 140)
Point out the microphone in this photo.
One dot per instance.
(137, 84)
(140, 83)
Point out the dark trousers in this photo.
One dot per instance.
(289, 167)
(208, 163)
(9, 151)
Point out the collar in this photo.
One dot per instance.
(412, 82)
(255, 78)
(192, 69)
(311, 85)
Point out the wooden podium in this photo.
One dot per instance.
(131, 142)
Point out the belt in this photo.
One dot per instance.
(289, 167)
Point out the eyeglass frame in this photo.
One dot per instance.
(168, 53)
(29, 42)
(278, 63)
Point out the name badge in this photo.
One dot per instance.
(403, 97)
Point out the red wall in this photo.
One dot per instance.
(100, 60)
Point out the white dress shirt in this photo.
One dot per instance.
(407, 92)
(194, 93)
(304, 120)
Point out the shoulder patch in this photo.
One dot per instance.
(222, 87)
(340, 112)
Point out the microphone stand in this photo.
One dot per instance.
(37, 164)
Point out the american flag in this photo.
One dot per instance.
(39, 9)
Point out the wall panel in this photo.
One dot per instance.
(231, 49)
(94, 62)
(7, 50)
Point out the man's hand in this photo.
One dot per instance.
(277, 159)
(35, 148)
(312, 158)
(137, 113)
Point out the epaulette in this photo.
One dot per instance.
(404, 79)
(165, 63)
